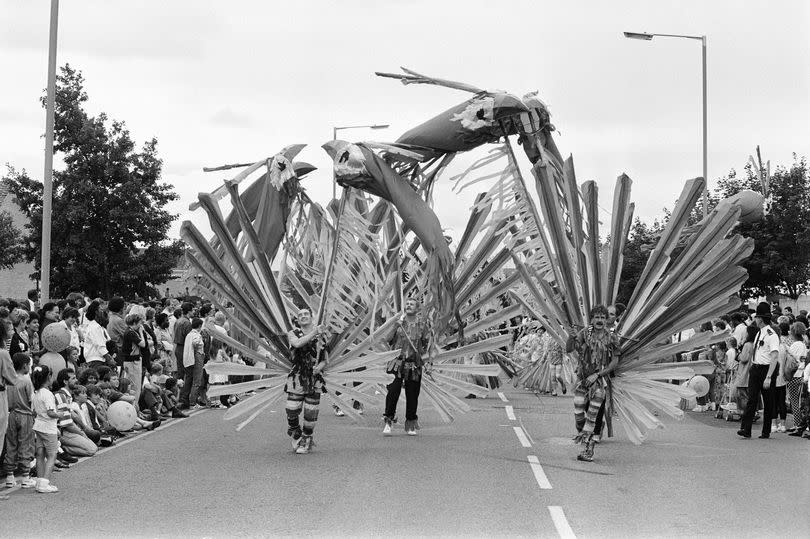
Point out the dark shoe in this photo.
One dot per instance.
(70, 459)
(743, 433)
(60, 464)
(154, 425)
(796, 432)
(177, 414)
(764, 436)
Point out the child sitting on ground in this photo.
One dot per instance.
(79, 413)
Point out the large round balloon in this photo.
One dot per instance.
(700, 385)
(55, 337)
(121, 415)
(750, 202)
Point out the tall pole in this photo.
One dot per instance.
(47, 179)
(705, 143)
(334, 178)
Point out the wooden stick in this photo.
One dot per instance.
(226, 167)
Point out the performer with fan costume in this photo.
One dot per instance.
(596, 350)
(305, 382)
(411, 337)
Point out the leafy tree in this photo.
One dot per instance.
(11, 242)
(640, 243)
(109, 225)
(780, 262)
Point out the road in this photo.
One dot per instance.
(507, 468)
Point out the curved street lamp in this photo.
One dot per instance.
(643, 36)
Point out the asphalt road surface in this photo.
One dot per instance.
(508, 468)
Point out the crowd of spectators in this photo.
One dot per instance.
(784, 390)
(150, 354)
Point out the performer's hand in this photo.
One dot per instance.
(766, 384)
(591, 379)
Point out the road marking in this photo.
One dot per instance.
(522, 437)
(135, 438)
(560, 522)
(502, 396)
(539, 474)
(510, 413)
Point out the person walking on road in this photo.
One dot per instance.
(596, 350)
(411, 337)
(305, 382)
(763, 365)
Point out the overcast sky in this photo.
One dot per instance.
(224, 82)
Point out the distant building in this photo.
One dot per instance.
(15, 282)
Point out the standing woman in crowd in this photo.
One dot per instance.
(795, 384)
(47, 316)
(744, 358)
(165, 347)
(19, 337)
(95, 338)
(778, 381)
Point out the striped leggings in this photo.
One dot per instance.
(309, 404)
(586, 409)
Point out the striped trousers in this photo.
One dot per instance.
(295, 405)
(587, 401)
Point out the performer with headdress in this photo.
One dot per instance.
(305, 382)
(596, 350)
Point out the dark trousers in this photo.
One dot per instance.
(756, 377)
(779, 405)
(412, 388)
(192, 390)
(600, 420)
(178, 356)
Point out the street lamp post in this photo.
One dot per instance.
(648, 37)
(334, 137)
(47, 178)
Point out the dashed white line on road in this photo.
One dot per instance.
(510, 413)
(522, 437)
(560, 522)
(502, 396)
(539, 474)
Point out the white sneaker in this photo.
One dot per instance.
(28, 482)
(295, 443)
(305, 445)
(338, 411)
(781, 428)
(387, 430)
(45, 487)
(411, 432)
(10, 481)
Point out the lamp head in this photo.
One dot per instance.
(638, 35)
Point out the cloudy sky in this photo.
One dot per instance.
(224, 82)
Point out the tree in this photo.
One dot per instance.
(109, 231)
(780, 262)
(11, 242)
(640, 243)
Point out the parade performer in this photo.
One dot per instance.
(411, 337)
(596, 351)
(305, 382)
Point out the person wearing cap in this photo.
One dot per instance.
(763, 365)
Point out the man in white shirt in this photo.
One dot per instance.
(740, 328)
(95, 339)
(766, 355)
